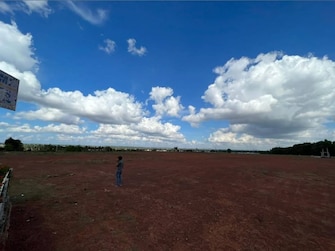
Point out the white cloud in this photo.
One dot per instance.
(60, 128)
(165, 103)
(16, 48)
(97, 17)
(154, 127)
(224, 135)
(49, 114)
(42, 7)
(107, 106)
(121, 117)
(133, 50)
(9, 128)
(236, 138)
(51, 128)
(271, 96)
(5, 8)
(39, 6)
(109, 46)
(149, 130)
(28, 6)
(269, 99)
(158, 94)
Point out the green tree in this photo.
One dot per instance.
(13, 145)
(72, 148)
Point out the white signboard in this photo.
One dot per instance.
(9, 87)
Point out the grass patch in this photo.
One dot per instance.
(24, 190)
(126, 217)
(3, 170)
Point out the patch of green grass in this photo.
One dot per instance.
(3, 169)
(126, 217)
(97, 161)
(24, 190)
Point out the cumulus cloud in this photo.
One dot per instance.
(225, 135)
(119, 115)
(133, 50)
(16, 48)
(60, 128)
(165, 103)
(51, 128)
(49, 114)
(106, 106)
(40, 6)
(154, 127)
(96, 18)
(270, 96)
(109, 46)
(148, 129)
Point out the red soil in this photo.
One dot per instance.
(171, 201)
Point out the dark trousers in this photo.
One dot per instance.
(119, 178)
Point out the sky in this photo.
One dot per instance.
(237, 75)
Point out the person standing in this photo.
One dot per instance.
(119, 168)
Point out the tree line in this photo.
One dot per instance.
(298, 149)
(307, 148)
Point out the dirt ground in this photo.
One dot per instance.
(170, 201)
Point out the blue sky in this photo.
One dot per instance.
(239, 75)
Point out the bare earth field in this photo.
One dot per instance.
(170, 201)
